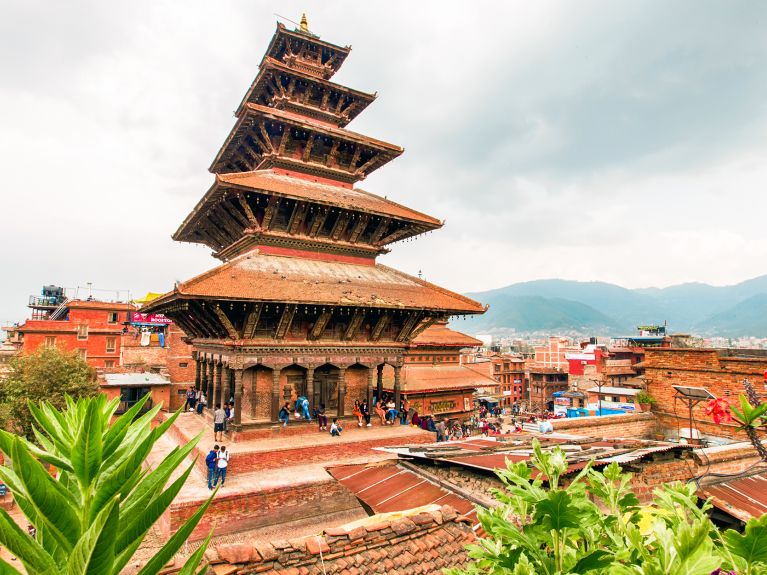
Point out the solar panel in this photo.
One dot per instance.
(693, 392)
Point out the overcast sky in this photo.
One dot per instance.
(614, 141)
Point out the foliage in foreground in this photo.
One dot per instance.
(48, 374)
(595, 525)
(92, 517)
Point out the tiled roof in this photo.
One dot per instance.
(437, 377)
(302, 189)
(423, 541)
(441, 335)
(257, 277)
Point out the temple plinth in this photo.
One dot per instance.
(299, 306)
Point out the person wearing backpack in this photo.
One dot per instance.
(210, 461)
(221, 464)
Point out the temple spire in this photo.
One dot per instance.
(304, 24)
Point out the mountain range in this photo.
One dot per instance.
(604, 308)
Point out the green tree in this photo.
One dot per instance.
(93, 515)
(595, 525)
(48, 374)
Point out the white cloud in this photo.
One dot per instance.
(588, 140)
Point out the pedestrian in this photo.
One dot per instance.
(227, 416)
(357, 413)
(441, 430)
(365, 409)
(221, 464)
(284, 414)
(335, 428)
(219, 416)
(190, 396)
(210, 461)
(201, 403)
(322, 419)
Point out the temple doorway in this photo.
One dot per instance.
(326, 378)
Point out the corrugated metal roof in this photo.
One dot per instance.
(742, 498)
(386, 488)
(119, 379)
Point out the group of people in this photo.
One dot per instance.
(301, 411)
(217, 461)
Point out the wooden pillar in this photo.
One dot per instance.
(253, 384)
(216, 377)
(369, 396)
(237, 374)
(397, 392)
(275, 394)
(341, 390)
(210, 391)
(379, 384)
(310, 388)
(204, 377)
(221, 380)
(197, 377)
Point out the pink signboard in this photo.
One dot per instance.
(157, 318)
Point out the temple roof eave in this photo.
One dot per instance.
(269, 64)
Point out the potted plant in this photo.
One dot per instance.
(645, 400)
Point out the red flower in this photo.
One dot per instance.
(719, 409)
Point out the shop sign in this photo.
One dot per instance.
(155, 318)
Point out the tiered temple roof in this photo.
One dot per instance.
(299, 242)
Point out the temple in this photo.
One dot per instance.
(299, 306)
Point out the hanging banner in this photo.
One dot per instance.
(149, 318)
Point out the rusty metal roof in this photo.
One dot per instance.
(742, 498)
(386, 488)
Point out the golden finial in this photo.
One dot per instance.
(304, 23)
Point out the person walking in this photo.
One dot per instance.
(441, 429)
(210, 461)
(219, 416)
(221, 465)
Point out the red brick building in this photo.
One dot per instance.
(720, 371)
(92, 328)
(300, 307)
(434, 379)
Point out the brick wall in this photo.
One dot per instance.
(242, 511)
(637, 426)
(722, 376)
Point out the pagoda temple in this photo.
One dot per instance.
(299, 306)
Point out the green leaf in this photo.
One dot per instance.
(752, 545)
(117, 431)
(139, 523)
(556, 512)
(32, 555)
(191, 565)
(94, 553)
(51, 501)
(86, 452)
(598, 559)
(157, 479)
(6, 569)
(174, 544)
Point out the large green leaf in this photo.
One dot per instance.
(176, 541)
(139, 523)
(94, 554)
(6, 569)
(598, 559)
(156, 480)
(116, 433)
(752, 544)
(86, 452)
(32, 555)
(50, 499)
(556, 512)
(192, 565)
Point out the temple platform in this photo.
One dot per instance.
(299, 443)
(279, 483)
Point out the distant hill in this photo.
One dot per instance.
(747, 318)
(599, 307)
